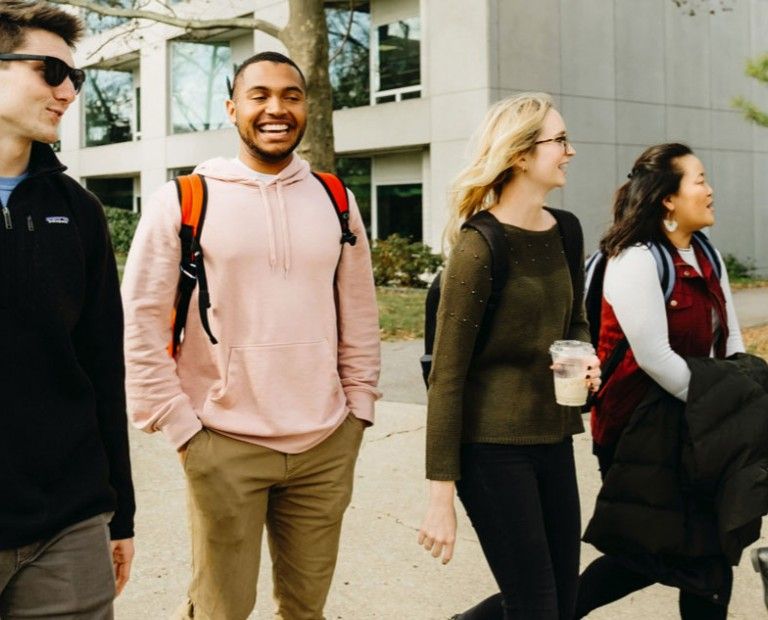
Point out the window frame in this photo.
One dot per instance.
(402, 92)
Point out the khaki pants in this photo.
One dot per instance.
(235, 488)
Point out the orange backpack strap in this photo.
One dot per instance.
(193, 198)
(337, 192)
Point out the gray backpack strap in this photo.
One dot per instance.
(709, 251)
(665, 267)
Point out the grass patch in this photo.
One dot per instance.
(748, 282)
(756, 340)
(120, 260)
(401, 312)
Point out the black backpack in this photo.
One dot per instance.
(665, 266)
(492, 231)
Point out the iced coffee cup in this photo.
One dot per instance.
(570, 359)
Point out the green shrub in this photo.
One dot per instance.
(122, 225)
(738, 269)
(397, 261)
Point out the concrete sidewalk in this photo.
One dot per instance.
(751, 306)
(382, 573)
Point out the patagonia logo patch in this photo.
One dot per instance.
(57, 219)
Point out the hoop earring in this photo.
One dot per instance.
(670, 224)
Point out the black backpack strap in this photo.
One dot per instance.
(490, 228)
(430, 323)
(573, 246)
(493, 234)
(193, 202)
(593, 293)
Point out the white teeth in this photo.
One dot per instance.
(274, 127)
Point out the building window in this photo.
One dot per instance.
(356, 174)
(137, 107)
(397, 61)
(110, 107)
(198, 86)
(114, 191)
(398, 211)
(349, 42)
(178, 172)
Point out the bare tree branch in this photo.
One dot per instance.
(130, 30)
(340, 47)
(248, 23)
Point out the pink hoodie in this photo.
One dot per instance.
(296, 354)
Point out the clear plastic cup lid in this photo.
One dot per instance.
(571, 347)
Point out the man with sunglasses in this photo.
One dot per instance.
(65, 478)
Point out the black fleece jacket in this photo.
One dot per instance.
(63, 430)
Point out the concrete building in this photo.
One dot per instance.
(413, 87)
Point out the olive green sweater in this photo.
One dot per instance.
(505, 394)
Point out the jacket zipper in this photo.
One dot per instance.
(6, 271)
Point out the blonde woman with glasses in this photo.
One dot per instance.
(494, 431)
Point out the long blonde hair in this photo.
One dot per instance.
(508, 131)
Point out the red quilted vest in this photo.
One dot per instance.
(689, 319)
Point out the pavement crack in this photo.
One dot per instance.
(393, 433)
(399, 521)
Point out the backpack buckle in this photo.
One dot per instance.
(348, 237)
(191, 272)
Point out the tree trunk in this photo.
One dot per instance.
(306, 38)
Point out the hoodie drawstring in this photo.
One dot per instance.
(270, 226)
(284, 229)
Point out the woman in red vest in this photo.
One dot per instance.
(665, 201)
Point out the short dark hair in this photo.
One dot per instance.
(638, 207)
(16, 16)
(266, 57)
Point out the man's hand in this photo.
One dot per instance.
(438, 531)
(122, 557)
(182, 451)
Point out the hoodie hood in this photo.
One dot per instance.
(272, 196)
(230, 171)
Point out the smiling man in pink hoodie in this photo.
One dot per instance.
(267, 422)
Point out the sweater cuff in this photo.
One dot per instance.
(120, 531)
(180, 428)
(360, 404)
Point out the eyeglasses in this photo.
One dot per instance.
(562, 140)
(55, 70)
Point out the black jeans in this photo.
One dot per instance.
(607, 579)
(523, 502)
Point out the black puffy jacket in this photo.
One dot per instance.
(691, 479)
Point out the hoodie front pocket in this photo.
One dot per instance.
(290, 387)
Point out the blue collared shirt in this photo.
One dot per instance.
(7, 185)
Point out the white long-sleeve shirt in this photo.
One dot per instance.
(633, 290)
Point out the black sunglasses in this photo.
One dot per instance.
(55, 70)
